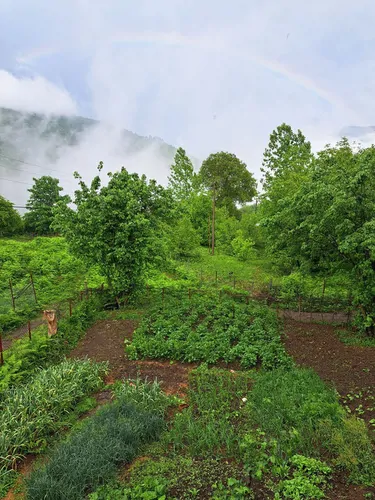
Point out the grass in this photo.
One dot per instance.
(111, 437)
(57, 277)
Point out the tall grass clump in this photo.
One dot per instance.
(30, 413)
(91, 455)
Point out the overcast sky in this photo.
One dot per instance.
(205, 74)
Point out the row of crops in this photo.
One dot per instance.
(257, 427)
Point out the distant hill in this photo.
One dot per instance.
(59, 145)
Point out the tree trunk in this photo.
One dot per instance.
(213, 223)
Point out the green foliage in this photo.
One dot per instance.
(228, 180)
(10, 220)
(116, 226)
(207, 329)
(182, 180)
(309, 476)
(184, 239)
(297, 413)
(233, 490)
(243, 248)
(45, 194)
(209, 425)
(91, 454)
(145, 395)
(285, 159)
(25, 356)
(57, 277)
(327, 224)
(29, 414)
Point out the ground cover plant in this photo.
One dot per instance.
(208, 328)
(57, 276)
(25, 356)
(111, 437)
(279, 434)
(31, 413)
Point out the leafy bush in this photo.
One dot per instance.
(205, 328)
(57, 276)
(243, 248)
(29, 414)
(91, 455)
(25, 356)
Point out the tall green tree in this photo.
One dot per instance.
(118, 226)
(229, 183)
(44, 195)
(182, 179)
(286, 157)
(331, 225)
(10, 220)
(287, 162)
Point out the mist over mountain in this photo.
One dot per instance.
(32, 145)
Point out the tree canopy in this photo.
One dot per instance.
(117, 226)
(44, 195)
(10, 220)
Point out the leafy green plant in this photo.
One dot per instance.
(207, 328)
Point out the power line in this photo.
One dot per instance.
(22, 161)
(32, 164)
(13, 180)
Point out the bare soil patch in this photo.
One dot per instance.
(104, 341)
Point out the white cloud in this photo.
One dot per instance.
(35, 94)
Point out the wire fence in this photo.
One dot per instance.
(63, 308)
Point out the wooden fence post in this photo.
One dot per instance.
(11, 294)
(1, 350)
(234, 282)
(189, 294)
(29, 329)
(216, 277)
(70, 307)
(299, 306)
(32, 284)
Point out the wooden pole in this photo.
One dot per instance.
(1, 350)
(189, 294)
(29, 329)
(32, 284)
(11, 293)
(209, 234)
(70, 307)
(234, 282)
(216, 277)
(213, 222)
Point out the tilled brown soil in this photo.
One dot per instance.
(350, 369)
(104, 341)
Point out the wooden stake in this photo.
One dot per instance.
(11, 293)
(70, 307)
(29, 329)
(1, 350)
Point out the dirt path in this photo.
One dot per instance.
(104, 341)
(20, 332)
